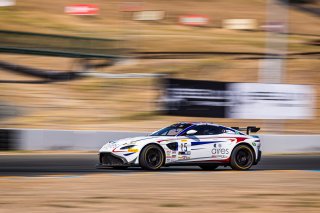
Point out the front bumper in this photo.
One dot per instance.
(107, 159)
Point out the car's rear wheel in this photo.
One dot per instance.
(209, 167)
(151, 157)
(242, 158)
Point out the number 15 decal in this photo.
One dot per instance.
(184, 147)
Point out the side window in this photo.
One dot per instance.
(214, 130)
(201, 130)
(228, 131)
(173, 131)
(207, 130)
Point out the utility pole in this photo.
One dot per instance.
(273, 67)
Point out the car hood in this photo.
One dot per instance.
(133, 141)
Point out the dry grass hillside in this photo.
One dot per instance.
(94, 103)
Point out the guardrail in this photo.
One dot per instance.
(37, 139)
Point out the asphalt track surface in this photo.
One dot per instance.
(71, 164)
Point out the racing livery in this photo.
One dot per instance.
(203, 144)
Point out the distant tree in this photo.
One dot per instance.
(301, 1)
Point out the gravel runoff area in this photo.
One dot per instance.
(143, 192)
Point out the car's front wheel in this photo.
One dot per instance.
(242, 158)
(151, 157)
(209, 167)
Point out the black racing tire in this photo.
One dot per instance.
(120, 167)
(209, 167)
(151, 157)
(242, 158)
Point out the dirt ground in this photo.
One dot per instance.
(216, 191)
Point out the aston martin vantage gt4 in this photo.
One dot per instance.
(205, 145)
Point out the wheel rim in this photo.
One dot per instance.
(154, 158)
(244, 158)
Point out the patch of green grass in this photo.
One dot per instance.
(4, 203)
(102, 197)
(303, 204)
(139, 116)
(172, 205)
(268, 195)
(61, 206)
(248, 207)
(15, 151)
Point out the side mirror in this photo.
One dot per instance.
(191, 132)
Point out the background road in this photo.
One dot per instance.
(40, 164)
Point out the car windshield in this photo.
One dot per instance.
(172, 130)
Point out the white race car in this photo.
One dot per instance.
(203, 144)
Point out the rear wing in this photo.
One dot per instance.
(248, 129)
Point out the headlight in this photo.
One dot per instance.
(127, 147)
(110, 144)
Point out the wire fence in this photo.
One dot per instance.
(59, 45)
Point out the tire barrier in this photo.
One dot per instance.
(8, 139)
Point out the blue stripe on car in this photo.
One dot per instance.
(127, 154)
(198, 148)
(142, 139)
(204, 142)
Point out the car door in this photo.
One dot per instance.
(198, 146)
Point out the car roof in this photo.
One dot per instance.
(199, 123)
(208, 123)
